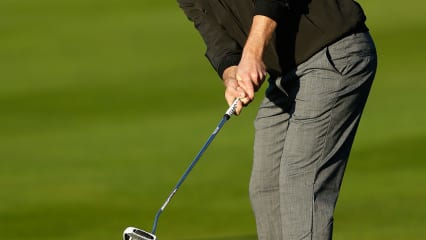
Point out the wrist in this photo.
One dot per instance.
(229, 73)
(260, 35)
(253, 50)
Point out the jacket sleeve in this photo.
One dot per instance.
(271, 8)
(222, 50)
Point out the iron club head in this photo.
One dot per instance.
(132, 233)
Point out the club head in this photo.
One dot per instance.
(132, 233)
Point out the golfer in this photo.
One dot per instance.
(321, 61)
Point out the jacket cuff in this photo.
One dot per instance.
(270, 8)
(231, 60)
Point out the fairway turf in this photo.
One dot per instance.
(103, 104)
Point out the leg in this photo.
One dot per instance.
(332, 88)
(271, 126)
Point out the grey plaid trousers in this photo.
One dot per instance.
(304, 132)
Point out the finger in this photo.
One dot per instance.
(247, 87)
(258, 80)
(239, 108)
(244, 99)
(241, 103)
(231, 93)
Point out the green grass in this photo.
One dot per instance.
(103, 104)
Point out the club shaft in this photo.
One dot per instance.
(226, 117)
(188, 170)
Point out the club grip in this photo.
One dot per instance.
(231, 110)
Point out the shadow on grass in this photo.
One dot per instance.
(245, 237)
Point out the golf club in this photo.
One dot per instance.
(132, 233)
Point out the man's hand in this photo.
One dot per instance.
(244, 80)
(250, 74)
(251, 71)
(232, 88)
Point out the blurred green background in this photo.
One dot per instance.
(103, 104)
